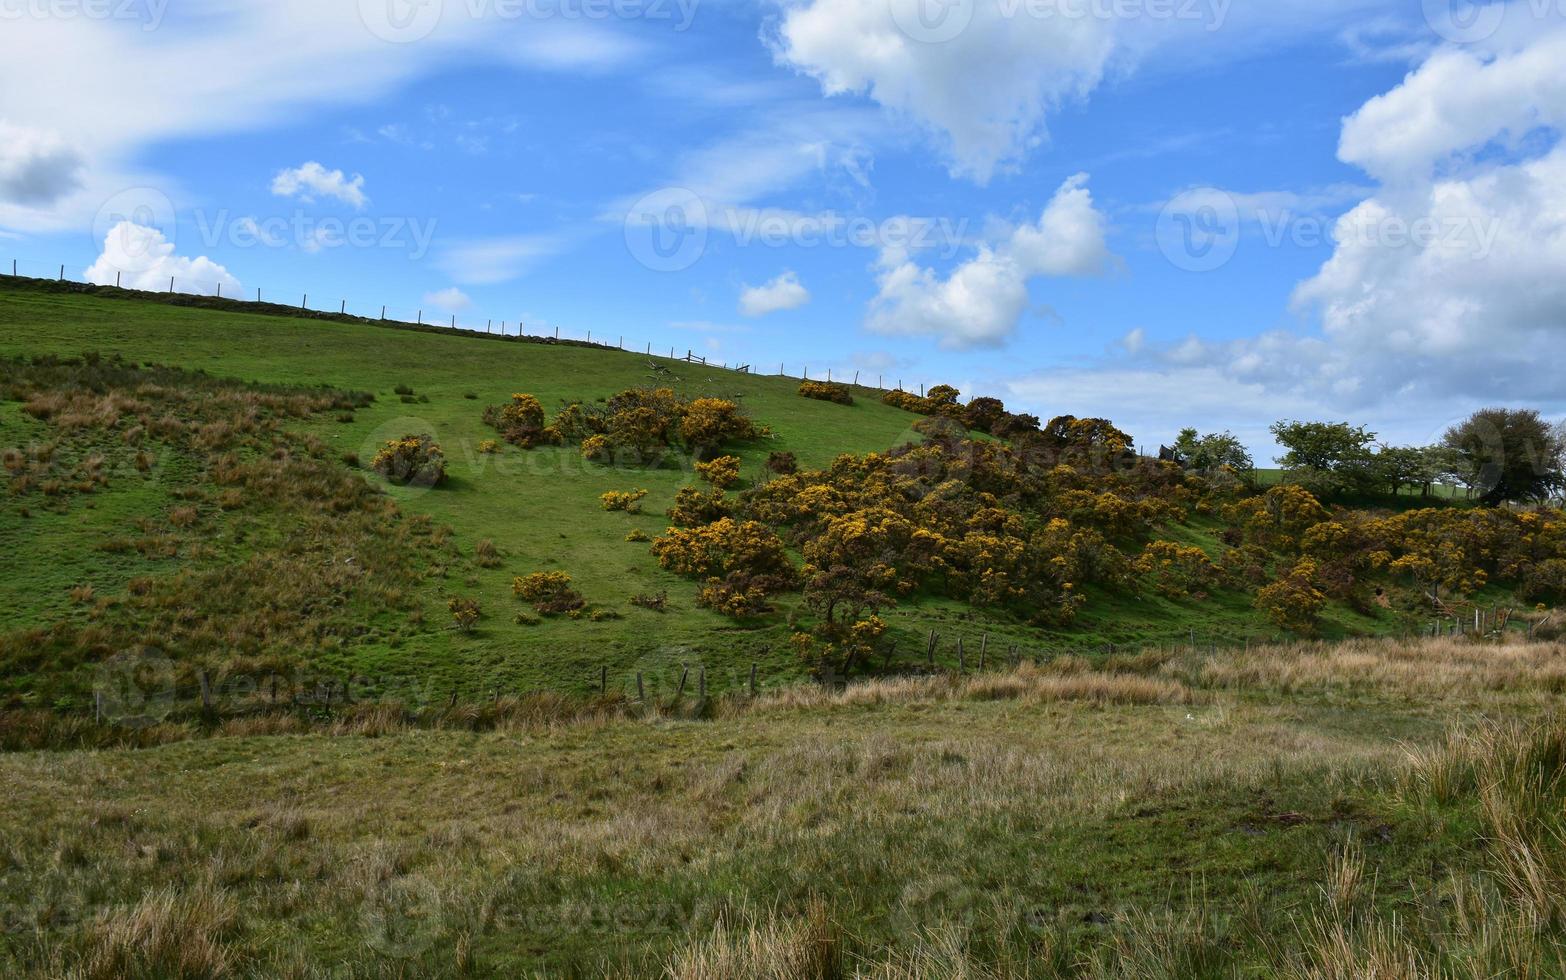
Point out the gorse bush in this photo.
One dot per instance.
(1176, 570)
(1293, 602)
(743, 563)
(629, 501)
(413, 460)
(549, 592)
(637, 427)
(722, 472)
(521, 422)
(827, 391)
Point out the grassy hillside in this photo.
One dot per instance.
(539, 510)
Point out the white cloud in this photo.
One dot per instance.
(138, 257)
(785, 292)
(1455, 103)
(36, 167)
(451, 300)
(311, 181)
(987, 89)
(111, 87)
(981, 302)
(491, 260)
(1443, 293)
(984, 75)
(1449, 278)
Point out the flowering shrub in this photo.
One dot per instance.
(521, 422)
(722, 472)
(1176, 570)
(488, 446)
(781, 463)
(413, 460)
(694, 506)
(907, 401)
(742, 562)
(827, 391)
(628, 501)
(549, 592)
(636, 427)
(1293, 602)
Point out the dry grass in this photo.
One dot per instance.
(168, 935)
(807, 948)
(1427, 667)
(1028, 684)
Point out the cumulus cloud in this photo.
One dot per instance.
(785, 292)
(311, 181)
(1449, 277)
(981, 302)
(139, 257)
(36, 168)
(452, 300)
(1457, 102)
(986, 89)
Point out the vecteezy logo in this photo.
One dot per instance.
(401, 21)
(135, 228)
(932, 21)
(1199, 230)
(1464, 21)
(402, 918)
(134, 688)
(666, 231)
(941, 901)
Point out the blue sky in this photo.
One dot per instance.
(1168, 212)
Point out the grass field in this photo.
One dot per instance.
(1190, 802)
(540, 508)
(1287, 812)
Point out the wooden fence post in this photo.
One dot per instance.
(752, 680)
(641, 695)
(685, 673)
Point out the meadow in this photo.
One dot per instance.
(244, 732)
(1325, 810)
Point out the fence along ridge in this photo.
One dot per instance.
(215, 300)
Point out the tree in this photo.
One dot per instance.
(1396, 467)
(1326, 456)
(1212, 452)
(1508, 455)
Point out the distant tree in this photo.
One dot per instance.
(1396, 467)
(1508, 455)
(1212, 452)
(1326, 457)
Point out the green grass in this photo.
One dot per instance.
(1048, 827)
(539, 508)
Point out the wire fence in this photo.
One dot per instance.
(317, 303)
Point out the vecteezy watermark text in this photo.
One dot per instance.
(314, 233)
(407, 21)
(147, 13)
